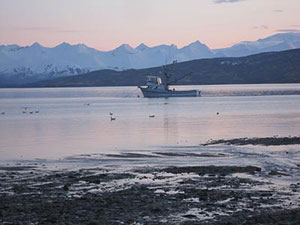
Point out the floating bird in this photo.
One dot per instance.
(31, 112)
(24, 112)
(152, 116)
(112, 118)
(110, 113)
(2, 113)
(218, 113)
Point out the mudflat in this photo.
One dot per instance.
(171, 195)
(211, 184)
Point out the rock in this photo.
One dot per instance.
(66, 187)
(190, 216)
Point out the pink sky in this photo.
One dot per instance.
(106, 24)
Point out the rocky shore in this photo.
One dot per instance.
(266, 141)
(206, 185)
(173, 195)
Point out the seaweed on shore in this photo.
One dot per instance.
(216, 170)
(266, 141)
(39, 196)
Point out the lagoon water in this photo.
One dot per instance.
(73, 121)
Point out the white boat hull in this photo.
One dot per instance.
(159, 93)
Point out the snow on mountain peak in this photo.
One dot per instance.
(197, 50)
(82, 48)
(63, 45)
(196, 43)
(124, 48)
(142, 47)
(277, 42)
(81, 45)
(291, 36)
(66, 59)
(36, 45)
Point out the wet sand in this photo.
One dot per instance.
(245, 193)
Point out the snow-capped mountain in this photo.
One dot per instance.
(36, 62)
(66, 59)
(277, 42)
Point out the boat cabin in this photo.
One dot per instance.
(154, 82)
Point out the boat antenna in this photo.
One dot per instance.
(167, 73)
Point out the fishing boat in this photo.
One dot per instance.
(159, 86)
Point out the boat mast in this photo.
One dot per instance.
(168, 78)
(167, 75)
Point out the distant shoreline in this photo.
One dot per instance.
(94, 86)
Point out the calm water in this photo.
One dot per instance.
(71, 121)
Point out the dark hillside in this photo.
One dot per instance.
(272, 67)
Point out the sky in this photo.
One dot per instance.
(106, 24)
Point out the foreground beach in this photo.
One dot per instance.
(215, 184)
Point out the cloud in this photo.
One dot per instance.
(289, 30)
(227, 1)
(278, 10)
(261, 27)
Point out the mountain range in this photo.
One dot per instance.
(20, 65)
(270, 67)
